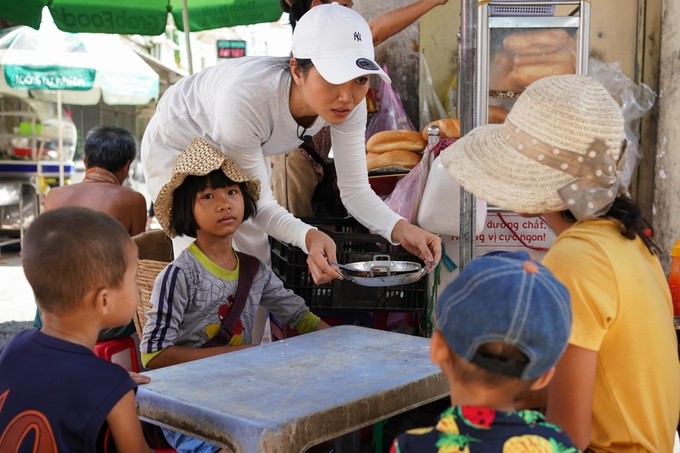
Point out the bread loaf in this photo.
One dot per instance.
(499, 72)
(536, 41)
(497, 114)
(396, 158)
(527, 74)
(448, 128)
(384, 141)
(565, 55)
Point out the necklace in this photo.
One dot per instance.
(97, 174)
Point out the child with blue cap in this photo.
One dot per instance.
(500, 328)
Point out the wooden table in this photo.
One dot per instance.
(289, 395)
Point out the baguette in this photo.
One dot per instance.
(499, 74)
(396, 158)
(448, 128)
(497, 114)
(527, 74)
(536, 41)
(565, 55)
(384, 141)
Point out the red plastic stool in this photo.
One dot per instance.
(112, 350)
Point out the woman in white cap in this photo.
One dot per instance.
(556, 156)
(254, 107)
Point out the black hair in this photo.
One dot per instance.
(110, 148)
(181, 216)
(632, 223)
(68, 252)
(297, 9)
(305, 64)
(466, 372)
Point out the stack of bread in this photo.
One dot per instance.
(528, 55)
(448, 128)
(398, 150)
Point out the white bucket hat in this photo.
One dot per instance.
(339, 43)
(557, 149)
(198, 159)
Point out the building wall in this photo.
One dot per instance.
(667, 171)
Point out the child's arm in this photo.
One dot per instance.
(570, 394)
(173, 355)
(284, 303)
(125, 427)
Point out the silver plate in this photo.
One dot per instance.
(382, 271)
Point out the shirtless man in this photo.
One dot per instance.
(108, 154)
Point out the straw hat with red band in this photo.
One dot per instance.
(199, 159)
(558, 149)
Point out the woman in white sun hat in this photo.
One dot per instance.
(254, 107)
(555, 156)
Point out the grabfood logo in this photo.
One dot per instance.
(117, 20)
(366, 64)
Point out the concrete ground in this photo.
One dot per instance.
(17, 308)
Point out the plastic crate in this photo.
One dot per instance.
(354, 244)
(523, 9)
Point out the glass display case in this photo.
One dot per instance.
(522, 41)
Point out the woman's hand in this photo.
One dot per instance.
(321, 250)
(423, 244)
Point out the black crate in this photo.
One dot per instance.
(354, 243)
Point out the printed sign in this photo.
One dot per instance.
(231, 48)
(503, 231)
(49, 77)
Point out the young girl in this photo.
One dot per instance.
(208, 197)
(614, 389)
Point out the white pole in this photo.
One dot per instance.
(187, 34)
(61, 140)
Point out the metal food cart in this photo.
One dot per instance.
(30, 160)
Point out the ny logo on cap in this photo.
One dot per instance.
(357, 36)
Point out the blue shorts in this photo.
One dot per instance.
(187, 444)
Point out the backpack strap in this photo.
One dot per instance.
(248, 266)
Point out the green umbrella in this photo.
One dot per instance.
(143, 17)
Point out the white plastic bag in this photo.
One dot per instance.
(635, 100)
(439, 210)
(431, 107)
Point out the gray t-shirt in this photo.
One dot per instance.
(191, 294)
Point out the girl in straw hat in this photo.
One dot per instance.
(254, 107)
(616, 386)
(208, 197)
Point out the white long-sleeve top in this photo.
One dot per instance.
(241, 106)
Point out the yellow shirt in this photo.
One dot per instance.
(622, 309)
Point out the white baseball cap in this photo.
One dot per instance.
(339, 43)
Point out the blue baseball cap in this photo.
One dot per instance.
(506, 297)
